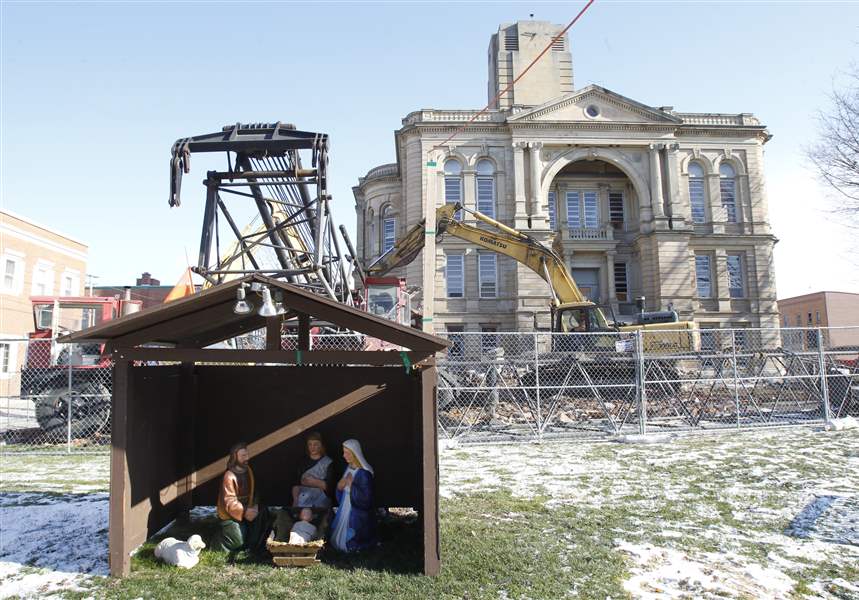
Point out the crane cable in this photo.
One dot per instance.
(522, 74)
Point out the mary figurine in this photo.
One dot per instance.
(354, 526)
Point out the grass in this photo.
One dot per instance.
(548, 521)
(526, 556)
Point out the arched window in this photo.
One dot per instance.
(697, 193)
(389, 228)
(486, 187)
(728, 190)
(453, 184)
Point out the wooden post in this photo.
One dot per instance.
(272, 333)
(188, 400)
(119, 554)
(429, 458)
(303, 332)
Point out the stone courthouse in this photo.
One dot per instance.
(644, 200)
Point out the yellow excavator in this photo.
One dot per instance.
(571, 311)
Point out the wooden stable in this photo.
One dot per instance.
(178, 408)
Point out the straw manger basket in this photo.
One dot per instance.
(285, 554)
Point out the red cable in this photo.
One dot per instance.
(512, 83)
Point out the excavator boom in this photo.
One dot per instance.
(503, 240)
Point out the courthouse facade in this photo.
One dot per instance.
(640, 200)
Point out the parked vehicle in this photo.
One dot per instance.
(69, 384)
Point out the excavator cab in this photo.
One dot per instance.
(579, 321)
(581, 318)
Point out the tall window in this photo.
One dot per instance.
(486, 188)
(43, 279)
(574, 211)
(703, 276)
(5, 357)
(621, 286)
(728, 190)
(453, 184)
(697, 196)
(615, 208)
(70, 283)
(553, 218)
(13, 274)
(489, 339)
(389, 229)
(9, 274)
(582, 209)
(487, 273)
(736, 276)
(454, 273)
(708, 337)
(457, 346)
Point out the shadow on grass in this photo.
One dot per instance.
(399, 551)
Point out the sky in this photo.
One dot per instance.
(94, 94)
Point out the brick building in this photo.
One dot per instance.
(36, 260)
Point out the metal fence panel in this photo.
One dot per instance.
(530, 386)
(509, 386)
(54, 397)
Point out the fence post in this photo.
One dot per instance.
(736, 377)
(537, 383)
(824, 389)
(641, 381)
(69, 399)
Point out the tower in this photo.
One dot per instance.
(513, 48)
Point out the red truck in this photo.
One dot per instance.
(70, 379)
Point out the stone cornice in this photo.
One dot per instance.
(607, 96)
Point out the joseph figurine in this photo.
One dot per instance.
(242, 523)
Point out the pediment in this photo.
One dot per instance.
(610, 107)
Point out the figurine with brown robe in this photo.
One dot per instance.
(242, 522)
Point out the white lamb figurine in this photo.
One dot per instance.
(178, 553)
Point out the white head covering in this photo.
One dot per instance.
(355, 447)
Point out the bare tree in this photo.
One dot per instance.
(835, 155)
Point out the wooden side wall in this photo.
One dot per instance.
(170, 421)
(245, 403)
(147, 457)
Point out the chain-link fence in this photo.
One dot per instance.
(508, 386)
(529, 386)
(54, 397)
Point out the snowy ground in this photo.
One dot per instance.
(771, 514)
(750, 515)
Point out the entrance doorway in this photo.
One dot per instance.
(588, 281)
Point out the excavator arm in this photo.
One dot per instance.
(501, 239)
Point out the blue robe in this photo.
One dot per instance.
(356, 507)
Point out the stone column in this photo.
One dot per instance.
(656, 183)
(521, 214)
(714, 199)
(744, 205)
(539, 217)
(680, 212)
(612, 293)
(469, 192)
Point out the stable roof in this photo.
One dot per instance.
(207, 318)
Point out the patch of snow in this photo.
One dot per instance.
(842, 424)
(650, 438)
(665, 573)
(51, 542)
